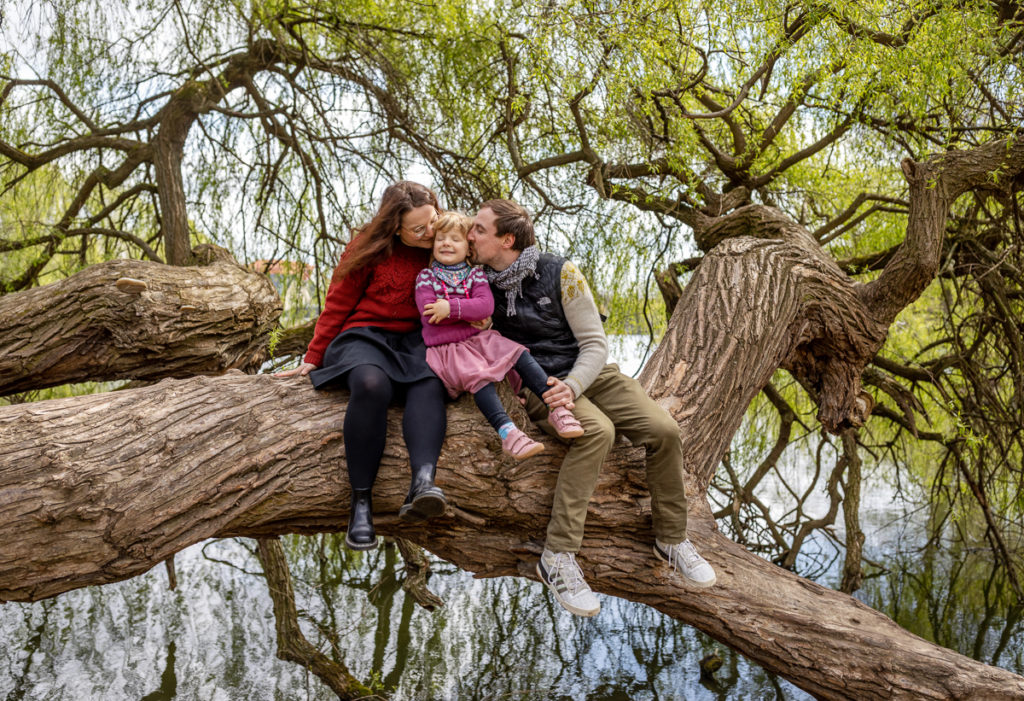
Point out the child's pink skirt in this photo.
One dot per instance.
(469, 365)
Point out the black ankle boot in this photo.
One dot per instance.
(360, 534)
(425, 500)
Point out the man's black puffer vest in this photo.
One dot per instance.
(539, 322)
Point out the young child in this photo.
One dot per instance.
(451, 293)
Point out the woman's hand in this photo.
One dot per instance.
(560, 394)
(483, 324)
(303, 370)
(437, 311)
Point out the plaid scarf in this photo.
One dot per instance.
(511, 278)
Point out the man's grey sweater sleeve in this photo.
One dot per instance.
(585, 321)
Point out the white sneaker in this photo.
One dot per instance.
(685, 560)
(564, 578)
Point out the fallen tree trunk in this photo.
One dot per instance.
(100, 488)
(129, 319)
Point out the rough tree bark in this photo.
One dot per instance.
(133, 319)
(236, 455)
(255, 456)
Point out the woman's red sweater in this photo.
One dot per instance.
(380, 295)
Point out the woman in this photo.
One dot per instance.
(368, 339)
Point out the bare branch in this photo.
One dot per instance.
(292, 645)
(823, 230)
(934, 185)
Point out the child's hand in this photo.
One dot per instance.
(437, 311)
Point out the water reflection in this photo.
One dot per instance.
(953, 595)
(213, 638)
(168, 680)
(507, 639)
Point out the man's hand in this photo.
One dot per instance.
(483, 324)
(560, 394)
(303, 370)
(437, 311)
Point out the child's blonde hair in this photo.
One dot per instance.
(452, 220)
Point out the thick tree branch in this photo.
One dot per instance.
(132, 319)
(934, 185)
(89, 142)
(53, 240)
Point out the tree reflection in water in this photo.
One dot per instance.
(953, 595)
(494, 639)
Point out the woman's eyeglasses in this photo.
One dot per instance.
(421, 230)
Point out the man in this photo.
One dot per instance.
(543, 302)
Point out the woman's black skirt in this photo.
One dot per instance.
(402, 356)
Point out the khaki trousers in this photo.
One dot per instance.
(613, 403)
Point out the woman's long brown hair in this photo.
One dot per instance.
(374, 241)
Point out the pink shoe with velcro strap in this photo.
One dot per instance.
(519, 445)
(565, 424)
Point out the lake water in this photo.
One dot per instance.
(213, 638)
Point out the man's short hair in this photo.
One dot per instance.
(512, 218)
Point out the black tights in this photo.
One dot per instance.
(535, 379)
(423, 425)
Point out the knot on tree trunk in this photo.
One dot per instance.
(843, 403)
(208, 254)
